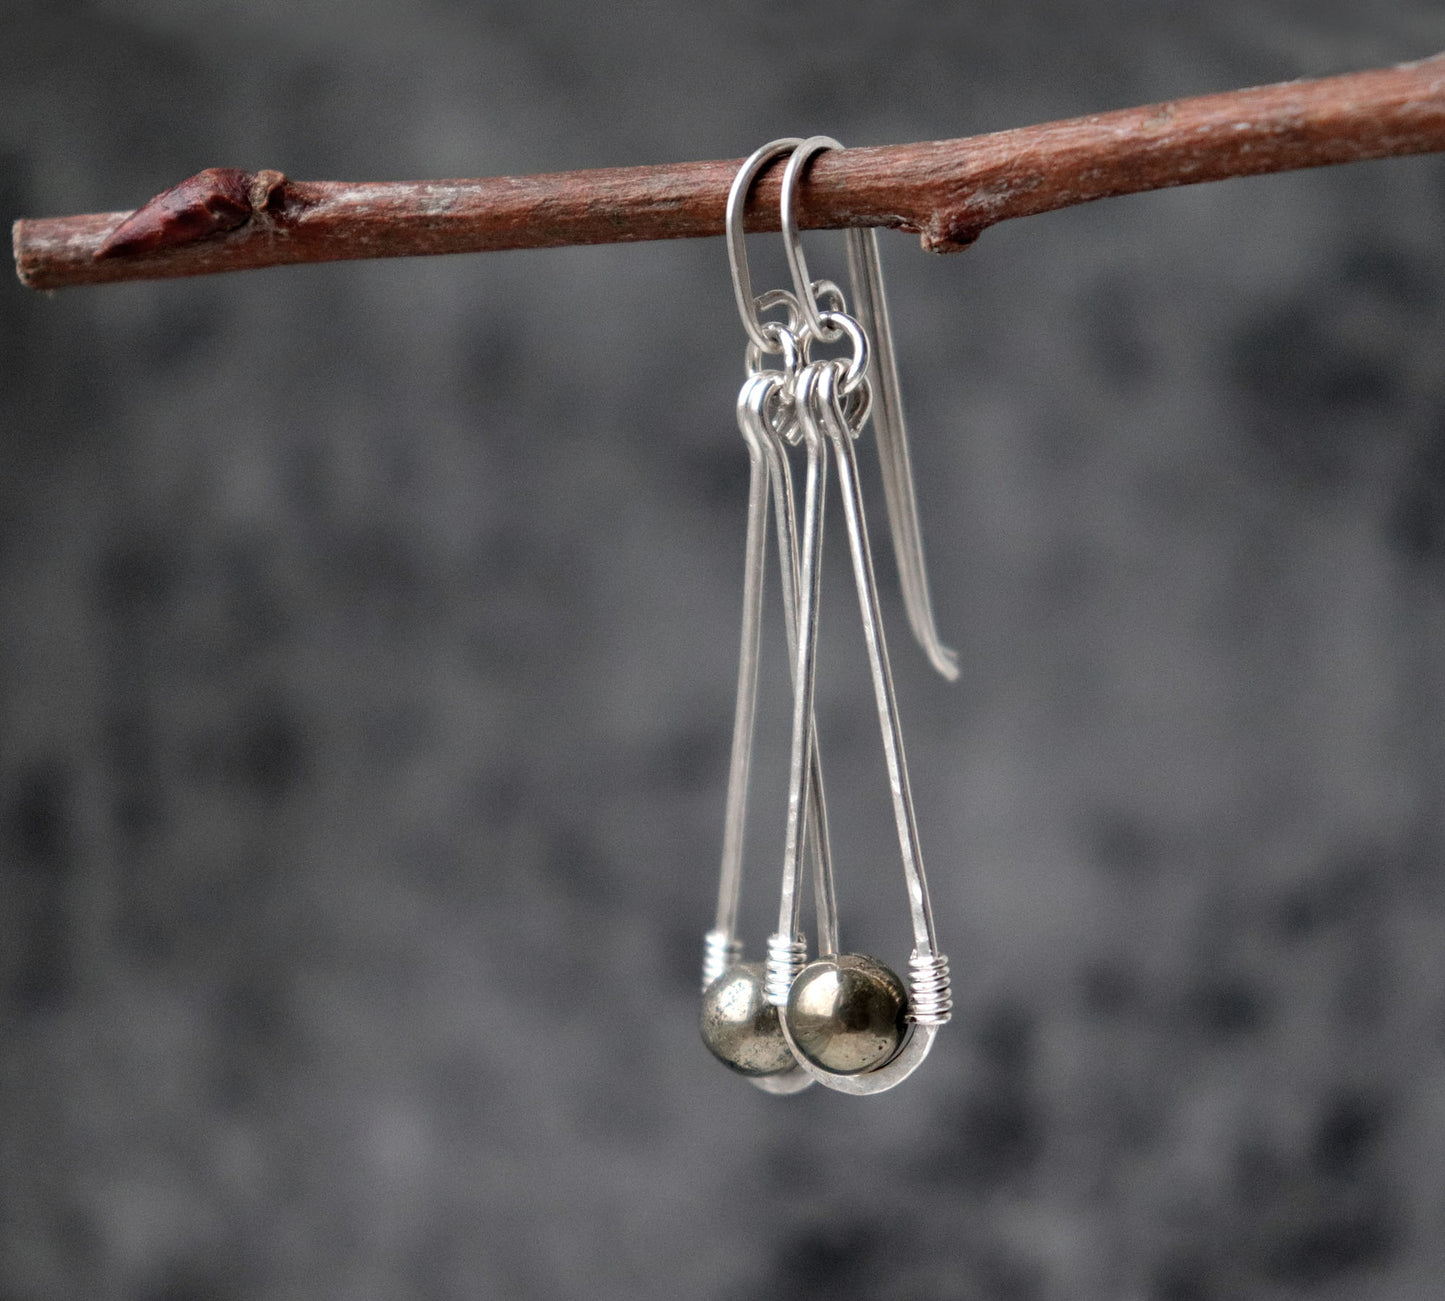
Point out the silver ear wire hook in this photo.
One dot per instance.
(866, 277)
(737, 237)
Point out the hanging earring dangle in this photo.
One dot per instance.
(739, 1024)
(849, 1019)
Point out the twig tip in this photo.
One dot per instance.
(209, 203)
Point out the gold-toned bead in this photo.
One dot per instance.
(846, 1013)
(739, 1025)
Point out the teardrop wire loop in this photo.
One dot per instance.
(757, 397)
(721, 946)
(786, 517)
(870, 302)
(765, 436)
(930, 1001)
(819, 411)
(917, 1040)
(787, 953)
(773, 435)
(761, 429)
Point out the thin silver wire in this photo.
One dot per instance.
(839, 325)
(762, 429)
(765, 438)
(783, 957)
(871, 304)
(792, 244)
(817, 406)
(755, 392)
(804, 662)
(820, 406)
(755, 403)
(917, 1041)
(786, 517)
(865, 271)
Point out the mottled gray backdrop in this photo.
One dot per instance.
(367, 648)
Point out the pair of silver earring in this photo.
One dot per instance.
(843, 1020)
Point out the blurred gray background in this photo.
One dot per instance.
(367, 646)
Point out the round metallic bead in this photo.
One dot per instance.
(847, 1013)
(739, 1025)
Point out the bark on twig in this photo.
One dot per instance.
(949, 191)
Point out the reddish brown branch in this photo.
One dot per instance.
(948, 191)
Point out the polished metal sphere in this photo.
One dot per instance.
(740, 1026)
(846, 1013)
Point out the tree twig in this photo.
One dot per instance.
(948, 191)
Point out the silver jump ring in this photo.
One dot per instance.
(736, 236)
(857, 406)
(779, 298)
(836, 325)
(792, 243)
(784, 345)
(828, 297)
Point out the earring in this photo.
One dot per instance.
(850, 1021)
(843, 1020)
(738, 1023)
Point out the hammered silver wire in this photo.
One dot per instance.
(782, 952)
(770, 434)
(817, 407)
(764, 434)
(721, 949)
(929, 968)
(786, 518)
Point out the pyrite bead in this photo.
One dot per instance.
(739, 1025)
(847, 1012)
